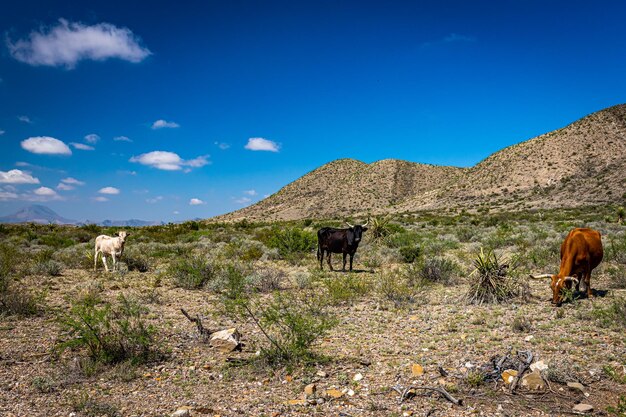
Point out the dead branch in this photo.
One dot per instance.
(198, 321)
(404, 393)
(523, 367)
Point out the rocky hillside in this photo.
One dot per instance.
(348, 186)
(583, 163)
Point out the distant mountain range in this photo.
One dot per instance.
(44, 215)
(583, 163)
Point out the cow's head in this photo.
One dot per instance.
(355, 233)
(122, 235)
(557, 284)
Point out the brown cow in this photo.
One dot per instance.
(581, 252)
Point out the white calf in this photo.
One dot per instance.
(107, 245)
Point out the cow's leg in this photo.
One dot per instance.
(114, 260)
(321, 258)
(351, 257)
(344, 262)
(95, 259)
(330, 265)
(587, 281)
(104, 262)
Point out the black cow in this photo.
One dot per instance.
(345, 241)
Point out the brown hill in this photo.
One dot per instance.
(581, 164)
(347, 186)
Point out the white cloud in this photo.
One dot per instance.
(243, 200)
(64, 187)
(109, 190)
(222, 145)
(196, 202)
(100, 199)
(122, 139)
(68, 43)
(73, 181)
(16, 176)
(154, 200)
(160, 124)
(82, 146)
(46, 145)
(7, 195)
(1, 132)
(176, 212)
(24, 119)
(45, 191)
(261, 144)
(169, 161)
(92, 138)
(250, 192)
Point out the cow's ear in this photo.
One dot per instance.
(364, 229)
(117, 234)
(350, 236)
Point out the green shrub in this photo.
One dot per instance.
(51, 268)
(289, 241)
(346, 288)
(409, 254)
(191, 272)
(438, 270)
(136, 261)
(397, 287)
(111, 333)
(267, 279)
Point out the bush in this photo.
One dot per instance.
(136, 262)
(489, 281)
(50, 268)
(111, 333)
(409, 254)
(438, 270)
(289, 241)
(192, 272)
(346, 288)
(290, 323)
(397, 287)
(267, 279)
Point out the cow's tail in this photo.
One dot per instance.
(319, 252)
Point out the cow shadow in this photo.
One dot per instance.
(354, 271)
(598, 293)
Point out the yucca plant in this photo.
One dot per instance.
(379, 228)
(489, 280)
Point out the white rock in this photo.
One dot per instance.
(529, 338)
(538, 366)
(358, 377)
(183, 412)
(583, 408)
(225, 340)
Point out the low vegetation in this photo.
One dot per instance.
(444, 291)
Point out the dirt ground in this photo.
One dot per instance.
(371, 350)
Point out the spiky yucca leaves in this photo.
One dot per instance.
(379, 228)
(489, 281)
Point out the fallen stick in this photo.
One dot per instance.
(404, 393)
(198, 321)
(523, 367)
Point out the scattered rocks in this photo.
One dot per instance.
(509, 375)
(225, 340)
(182, 412)
(533, 381)
(357, 377)
(321, 374)
(334, 393)
(583, 408)
(417, 370)
(529, 338)
(538, 366)
(310, 389)
(295, 402)
(576, 385)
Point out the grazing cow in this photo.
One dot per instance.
(345, 241)
(107, 245)
(581, 252)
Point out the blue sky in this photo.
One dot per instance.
(203, 108)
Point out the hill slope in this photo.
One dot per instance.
(581, 164)
(36, 214)
(348, 186)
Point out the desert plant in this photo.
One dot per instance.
(50, 267)
(489, 281)
(192, 272)
(347, 288)
(379, 228)
(110, 332)
(613, 315)
(290, 242)
(267, 279)
(136, 261)
(409, 254)
(438, 270)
